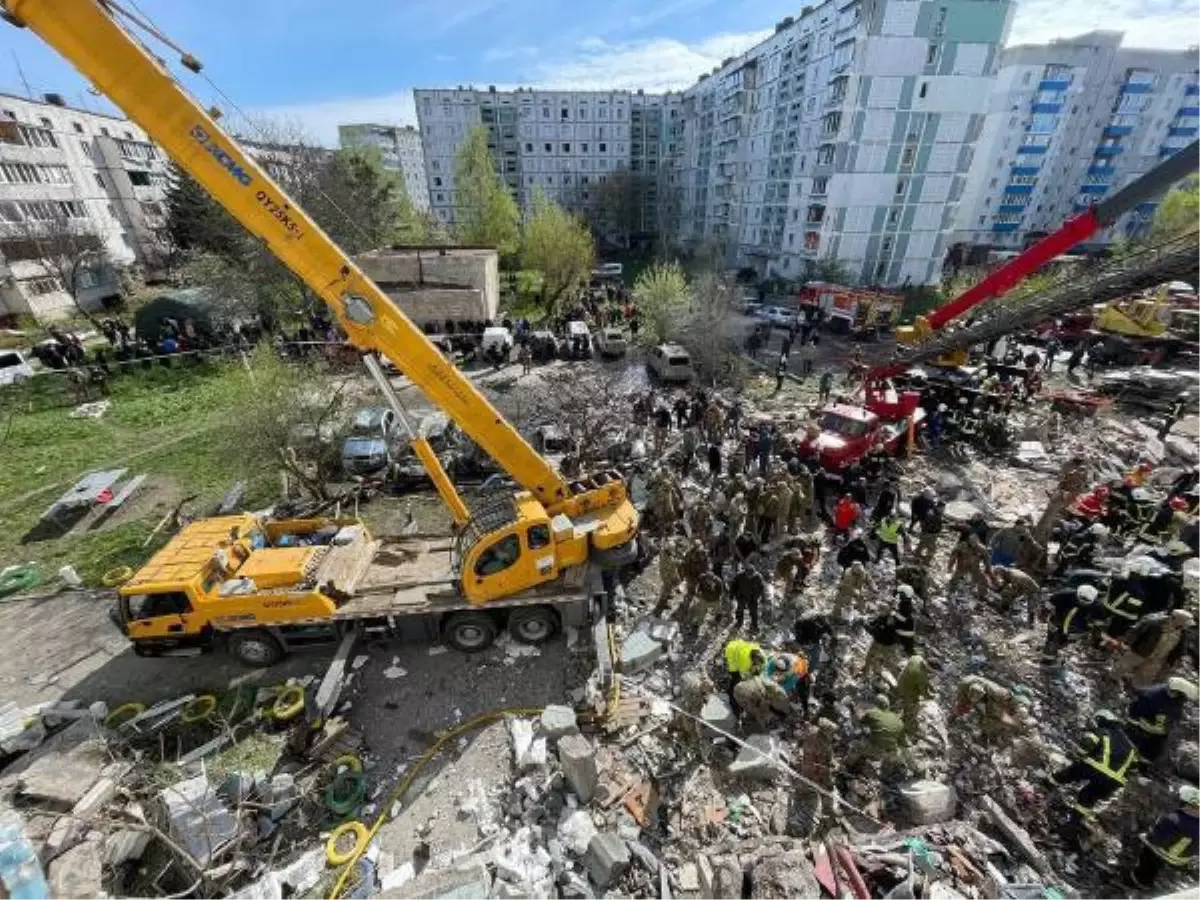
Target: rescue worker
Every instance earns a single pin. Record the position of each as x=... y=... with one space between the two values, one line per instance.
x=1155 y=643
x=922 y=505
x=1154 y=711
x=695 y=564
x=911 y=688
x=854 y=587
x=916 y=576
x=1079 y=550
x=748 y=589
x=883 y=736
x=735 y=516
x=969 y=560
x=1072 y=610
x=711 y=590
x=1124 y=603
x=1169 y=518
x=845 y=515
x=1174 y=414
x=931 y=524
x=743 y=659
x=854 y=550
x=714 y=423
x=1016 y=587
x=791 y=672
x=784 y=497
x=892 y=632
x=761 y=702
x=691 y=442
x=1106 y=755
x=667 y=500
x=886 y=502
x=768 y=512
x=889 y=533
x=1172 y=840
x=669 y=575
x=803 y=503
x=1031 y=555
x=694 y=688
x=700 y=521
x=1005 y=545
x=662 y=428
x=999 y=713
x=790 y=563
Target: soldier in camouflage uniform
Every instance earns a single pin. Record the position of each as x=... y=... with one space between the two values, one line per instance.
x=854 y=587
x=668 y=574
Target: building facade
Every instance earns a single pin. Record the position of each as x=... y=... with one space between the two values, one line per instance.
x=402 y=152
x=568 y=144
x=1068 y=123
x=75 y=186
x=845 y=136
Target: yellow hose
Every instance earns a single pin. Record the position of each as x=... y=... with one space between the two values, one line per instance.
x=411 y=775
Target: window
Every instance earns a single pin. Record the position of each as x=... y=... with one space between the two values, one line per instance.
x=992 y=183
x=529 y=148
x=39 y=287
x=603 y=148
x=924 y=89
x=9 y=212
x=46 y=122
x=437 y=182
x=901 y=186
x=104 y=131
x=548 y=148
x=566 y=148
x=583 y=148
x=37 y=137
x=139 y=178
x=907 y=156
x=564 y=114
x=439 y=198
x=151 y=606
x=931 y=55
x=820 y=186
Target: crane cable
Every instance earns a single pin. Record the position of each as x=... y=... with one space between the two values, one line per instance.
x=193 y=64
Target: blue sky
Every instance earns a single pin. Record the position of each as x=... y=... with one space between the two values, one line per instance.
x=314 y=64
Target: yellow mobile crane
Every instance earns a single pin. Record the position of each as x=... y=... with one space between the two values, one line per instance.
x=233 y=574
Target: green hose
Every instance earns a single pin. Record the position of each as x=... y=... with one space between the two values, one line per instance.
x=19 y=578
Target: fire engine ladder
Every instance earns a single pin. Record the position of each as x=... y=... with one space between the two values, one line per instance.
x=1174 y=259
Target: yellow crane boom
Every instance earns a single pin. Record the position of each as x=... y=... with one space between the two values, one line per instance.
x=88 y=34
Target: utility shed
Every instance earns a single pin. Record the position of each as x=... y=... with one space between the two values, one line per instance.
x=436 y=284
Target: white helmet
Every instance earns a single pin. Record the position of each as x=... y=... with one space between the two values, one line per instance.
x=1179 y=685
x=905 y=590
x=1099 y=529
x=1086 y=593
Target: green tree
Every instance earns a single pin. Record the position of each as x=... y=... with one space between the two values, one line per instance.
x=559 y=246
x=484 y=212
x=196 y=222
x=662 y=296
x=1178 y=213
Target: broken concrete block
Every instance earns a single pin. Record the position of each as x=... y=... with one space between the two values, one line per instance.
x=757 y=761
x=958 y=512
x=926 y=802
x=578 y=760
x=704 y=870
x=784 y=876
x=197 y=818
x=645 y=856
x=689 y=878
x=638 y=652
x=1017 y=836
x=77 y=873
x=607 y=858
x=284 y=796
x=466 y=878
x=718 y=713
x=124 y=846
x=558 y=721
x=1187 y=761
x=576 y=831
x=64 y=768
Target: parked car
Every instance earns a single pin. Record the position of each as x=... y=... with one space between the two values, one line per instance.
x=579 y=340
x=544 y=346
x=779 y=316
x=612 y=342
x=371 y=444
x=496 y=339
x=670 y=362
x=13 y=368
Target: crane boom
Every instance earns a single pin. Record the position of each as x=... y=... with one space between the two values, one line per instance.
x=86 y=33
x=1076 y=229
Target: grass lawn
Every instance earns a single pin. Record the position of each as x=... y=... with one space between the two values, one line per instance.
x=179 y=426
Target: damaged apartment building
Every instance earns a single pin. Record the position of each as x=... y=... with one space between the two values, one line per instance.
x=76 y=184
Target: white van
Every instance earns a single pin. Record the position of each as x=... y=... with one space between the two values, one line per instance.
x=496 y=338
x=579 y=340
x=670 y=362
x=612 y=342
x=13 y=368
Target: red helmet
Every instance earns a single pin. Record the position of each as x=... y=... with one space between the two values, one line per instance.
x=1145 y=466
x=1101 y=492
x=1178 y=503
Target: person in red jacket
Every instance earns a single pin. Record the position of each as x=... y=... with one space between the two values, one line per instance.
x=845 y=514
x=1093 y=505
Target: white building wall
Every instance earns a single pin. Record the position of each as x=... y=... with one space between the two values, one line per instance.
x=402 y=152
x=102 y=173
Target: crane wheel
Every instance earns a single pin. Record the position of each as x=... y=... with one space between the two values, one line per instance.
x=253 y=647
x=469 y=631
x=336 y=851
x=533 y=625
x=117 y=576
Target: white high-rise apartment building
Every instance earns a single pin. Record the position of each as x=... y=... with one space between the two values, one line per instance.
x=846 y=135
x=402 y=152
x=566 y=143
x=66 y=168
x=1068 y=123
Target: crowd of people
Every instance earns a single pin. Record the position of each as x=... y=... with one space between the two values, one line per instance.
x=746 y=527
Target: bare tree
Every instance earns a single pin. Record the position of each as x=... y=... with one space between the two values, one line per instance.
x=706 y=332
x=64 y=245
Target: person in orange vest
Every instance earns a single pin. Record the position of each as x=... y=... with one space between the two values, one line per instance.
x=1137 y=476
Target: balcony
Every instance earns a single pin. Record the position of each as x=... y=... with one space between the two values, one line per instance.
x=1113 y=131
x=1108 y=152
x=1093 y=188
x=1001 y=227
x=1188 y=112
x=1024 y=170
x=1181 y=132
x=1031 y=149
x=1101 y=170
x=1047 y=107
x=1054 y=84
x=1137 y=87
x=1011 y=208
x=1018 y=189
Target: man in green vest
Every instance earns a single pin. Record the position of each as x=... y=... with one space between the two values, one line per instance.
x=743 y=659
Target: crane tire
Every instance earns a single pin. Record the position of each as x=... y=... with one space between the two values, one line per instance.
x=333 y=852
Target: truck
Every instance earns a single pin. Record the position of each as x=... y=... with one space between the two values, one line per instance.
x=848 y=433
x=857 y=311
x=521 y=548
x=260 y=588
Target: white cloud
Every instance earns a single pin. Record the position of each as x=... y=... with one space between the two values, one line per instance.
x=1164 y=24
x=320 y=120
x=655 y=64
x=500 y=54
